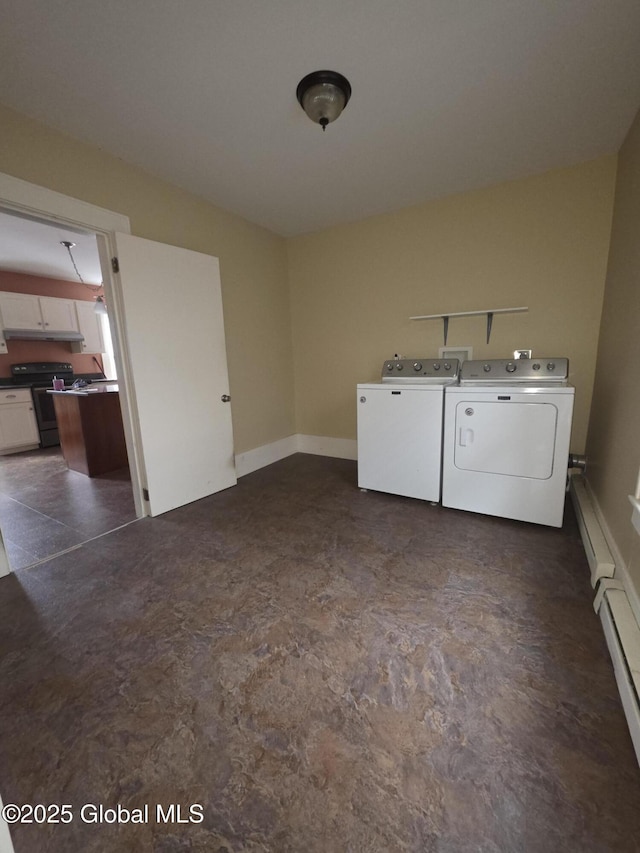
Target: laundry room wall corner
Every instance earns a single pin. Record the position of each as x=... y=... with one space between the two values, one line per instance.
x=540 y=242
x=613 y=446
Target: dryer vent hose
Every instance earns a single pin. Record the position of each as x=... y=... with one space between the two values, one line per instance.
x=578 y=460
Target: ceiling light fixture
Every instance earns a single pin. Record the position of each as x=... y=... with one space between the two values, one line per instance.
x=99 y=305
x=323 y=95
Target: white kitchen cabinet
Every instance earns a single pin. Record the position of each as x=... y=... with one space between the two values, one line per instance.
x=20 y=311
x=41 y=313
x=58 y=315
x=90 y=328
x=18 y=426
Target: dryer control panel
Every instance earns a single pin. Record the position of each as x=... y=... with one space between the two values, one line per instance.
x=530 y=371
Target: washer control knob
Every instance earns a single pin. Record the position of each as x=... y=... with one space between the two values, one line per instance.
x=389 y=365
x=536 y=366
x=551 y=366
x=487 y=368
x=511 y=368
x=399 y=366
x=436 y=365
x=417 y=365
x=447 y=366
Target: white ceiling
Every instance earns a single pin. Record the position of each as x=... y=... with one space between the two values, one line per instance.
x=36 y=248
x=448 y=95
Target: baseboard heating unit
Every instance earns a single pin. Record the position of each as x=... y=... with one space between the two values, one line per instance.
x=599 y=556
x=623 y=639
x=611 y=603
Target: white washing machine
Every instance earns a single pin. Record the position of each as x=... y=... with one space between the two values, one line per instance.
x=506 y=439
x=400 y=423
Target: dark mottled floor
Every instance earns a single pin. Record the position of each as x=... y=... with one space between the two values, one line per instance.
x=322 y=670
x=46 y=508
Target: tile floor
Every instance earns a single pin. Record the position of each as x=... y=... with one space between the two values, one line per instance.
x=45 y=508
x=319 y=669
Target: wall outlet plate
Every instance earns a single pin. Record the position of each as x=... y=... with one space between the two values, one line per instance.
x=522 y=353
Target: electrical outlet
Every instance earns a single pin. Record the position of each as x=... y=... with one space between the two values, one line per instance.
x=522 y=353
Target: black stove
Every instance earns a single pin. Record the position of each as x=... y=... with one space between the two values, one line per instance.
x=40 y=374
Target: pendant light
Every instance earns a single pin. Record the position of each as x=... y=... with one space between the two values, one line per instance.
x=323 y=95
x=69 y=246
x=99 y=305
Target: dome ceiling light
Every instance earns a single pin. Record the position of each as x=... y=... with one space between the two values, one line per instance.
x=323 y=95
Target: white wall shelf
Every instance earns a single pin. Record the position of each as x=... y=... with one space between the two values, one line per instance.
x=487 y=312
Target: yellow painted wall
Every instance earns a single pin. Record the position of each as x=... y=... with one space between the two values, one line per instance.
x=252 y=261
x=613 y=445
x=541 y=242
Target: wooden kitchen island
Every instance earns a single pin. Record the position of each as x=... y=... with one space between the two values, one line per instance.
x=90 y=427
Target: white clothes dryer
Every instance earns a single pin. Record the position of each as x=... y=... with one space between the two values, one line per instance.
x=400 y=423
x=507 y=430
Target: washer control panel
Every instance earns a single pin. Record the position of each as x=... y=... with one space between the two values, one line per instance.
x=421 y=370
x=533 y=371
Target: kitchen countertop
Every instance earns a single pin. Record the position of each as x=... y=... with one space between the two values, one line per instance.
x=89 y=390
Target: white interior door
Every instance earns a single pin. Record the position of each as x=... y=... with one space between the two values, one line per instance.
x=174 y=331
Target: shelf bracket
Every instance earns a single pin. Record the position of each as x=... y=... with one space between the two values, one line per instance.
x=487 y=312
x=489 y=324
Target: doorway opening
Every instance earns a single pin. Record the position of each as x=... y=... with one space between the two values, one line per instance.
x=184 y=451
x=45 y=506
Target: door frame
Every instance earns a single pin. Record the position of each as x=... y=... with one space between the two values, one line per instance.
x=42 y=203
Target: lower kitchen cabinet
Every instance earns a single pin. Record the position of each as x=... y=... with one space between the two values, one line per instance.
x=18 y=427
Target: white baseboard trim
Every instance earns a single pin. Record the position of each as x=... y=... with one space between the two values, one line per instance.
x=319 y=445
x=338 y=448
x=260 y=457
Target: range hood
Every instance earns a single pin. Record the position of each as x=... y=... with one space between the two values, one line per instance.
x=38 y=335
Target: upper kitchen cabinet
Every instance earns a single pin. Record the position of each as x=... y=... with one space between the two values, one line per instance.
x=90 y=328
x=58 y=314
x=46 y=313
x=20 y=311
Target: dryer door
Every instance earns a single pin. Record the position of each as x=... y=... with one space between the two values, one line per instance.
x=506 y=437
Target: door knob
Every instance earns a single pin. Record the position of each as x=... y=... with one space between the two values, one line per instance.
x=225 y=398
